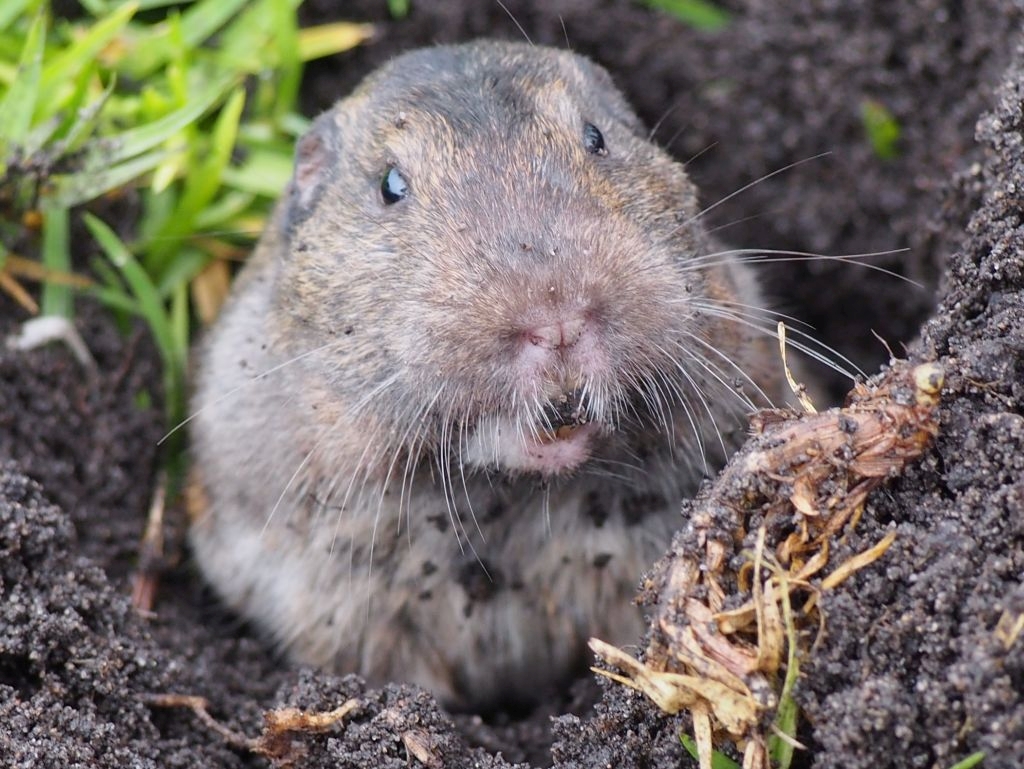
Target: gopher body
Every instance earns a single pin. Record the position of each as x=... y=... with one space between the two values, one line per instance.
x=480 y=354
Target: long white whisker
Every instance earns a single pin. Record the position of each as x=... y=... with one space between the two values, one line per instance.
x=462 y=476
x=287 y=486
x=745 y=187
x=444 y=471
x=804 y=347
x=745 y=399
x=514 y=21
x=418 y=423
x=755 y=312
x=246 y=383
x=756 y=256
x=691 y=415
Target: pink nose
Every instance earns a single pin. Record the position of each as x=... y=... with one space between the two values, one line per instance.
x=557 y=336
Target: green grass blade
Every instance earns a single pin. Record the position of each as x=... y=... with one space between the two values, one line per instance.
x=40 y=136
x=149 y=5
x=150 y=307
x=881 y=128
x=263 y=173
x=153 y=47
x=115 y=299
x=80 y=187
x=207 y=177
x=102 y=7
x=179 y=332
x=286 y=38
x=12 y=9
x=157 y=207
x=295 y=125
x=786 y=715
x=228 y=206
x=698 y=14
x=201 y=185
x=111 y=278
x=188 y=262
x=149 y=304
x=207 y=16
x=179 y=320
x=20 y=101
x=718 y=760
x=86 y=119
x=398 y=9
x=135 y=141
x=56 y=255
x=971 y=761
x=95 y=7
x=75 y=116
x=79 y=55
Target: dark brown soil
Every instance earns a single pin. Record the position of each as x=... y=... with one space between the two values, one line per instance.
x=911 y=673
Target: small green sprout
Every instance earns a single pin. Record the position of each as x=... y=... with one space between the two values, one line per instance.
x=881 y=128
x=699 y=14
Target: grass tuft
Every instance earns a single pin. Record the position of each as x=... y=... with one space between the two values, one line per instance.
x=167 y=129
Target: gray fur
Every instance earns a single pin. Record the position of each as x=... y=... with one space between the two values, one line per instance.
x=366 y=350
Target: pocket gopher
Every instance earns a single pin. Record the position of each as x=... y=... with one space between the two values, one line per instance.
x=481 y=352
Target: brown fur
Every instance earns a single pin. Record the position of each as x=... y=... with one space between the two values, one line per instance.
x=369 y=348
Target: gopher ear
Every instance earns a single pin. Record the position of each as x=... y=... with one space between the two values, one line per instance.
x=316 y=155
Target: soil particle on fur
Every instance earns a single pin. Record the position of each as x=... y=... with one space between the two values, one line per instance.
x=911 y=671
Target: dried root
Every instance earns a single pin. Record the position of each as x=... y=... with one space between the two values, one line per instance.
x=725 y=639
x=280 y=741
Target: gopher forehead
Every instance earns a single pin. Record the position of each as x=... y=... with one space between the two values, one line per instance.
x=491 y=102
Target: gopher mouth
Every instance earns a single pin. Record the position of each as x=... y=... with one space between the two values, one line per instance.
x=561 y=441
x=563 y=417
x=563 y=433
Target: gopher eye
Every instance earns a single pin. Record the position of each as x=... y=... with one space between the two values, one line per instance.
x=393 y=187
x=593 y=140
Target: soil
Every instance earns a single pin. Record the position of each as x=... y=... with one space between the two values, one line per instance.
x=911 y=672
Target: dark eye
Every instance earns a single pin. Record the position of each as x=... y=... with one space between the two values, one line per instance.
x=593 y=140
x=393 y=187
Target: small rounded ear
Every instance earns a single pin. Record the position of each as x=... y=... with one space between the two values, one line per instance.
x=316 y=155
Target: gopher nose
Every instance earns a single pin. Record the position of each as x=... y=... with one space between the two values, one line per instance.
x=557 y=336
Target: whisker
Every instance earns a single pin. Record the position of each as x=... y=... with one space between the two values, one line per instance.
x=565 y=32
x=362 y=468
x=444 y=470
x=657 y=124
x=756 y=312
x=514 y=21
x=462 y=476
x=302 y=465
x=416 y=421
x=691 y=414
x=807 y=348
x=735 y=366
x=708 y=209
x=742 y=220
x=245 y=384
x=757 y=256
x=707 y=148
